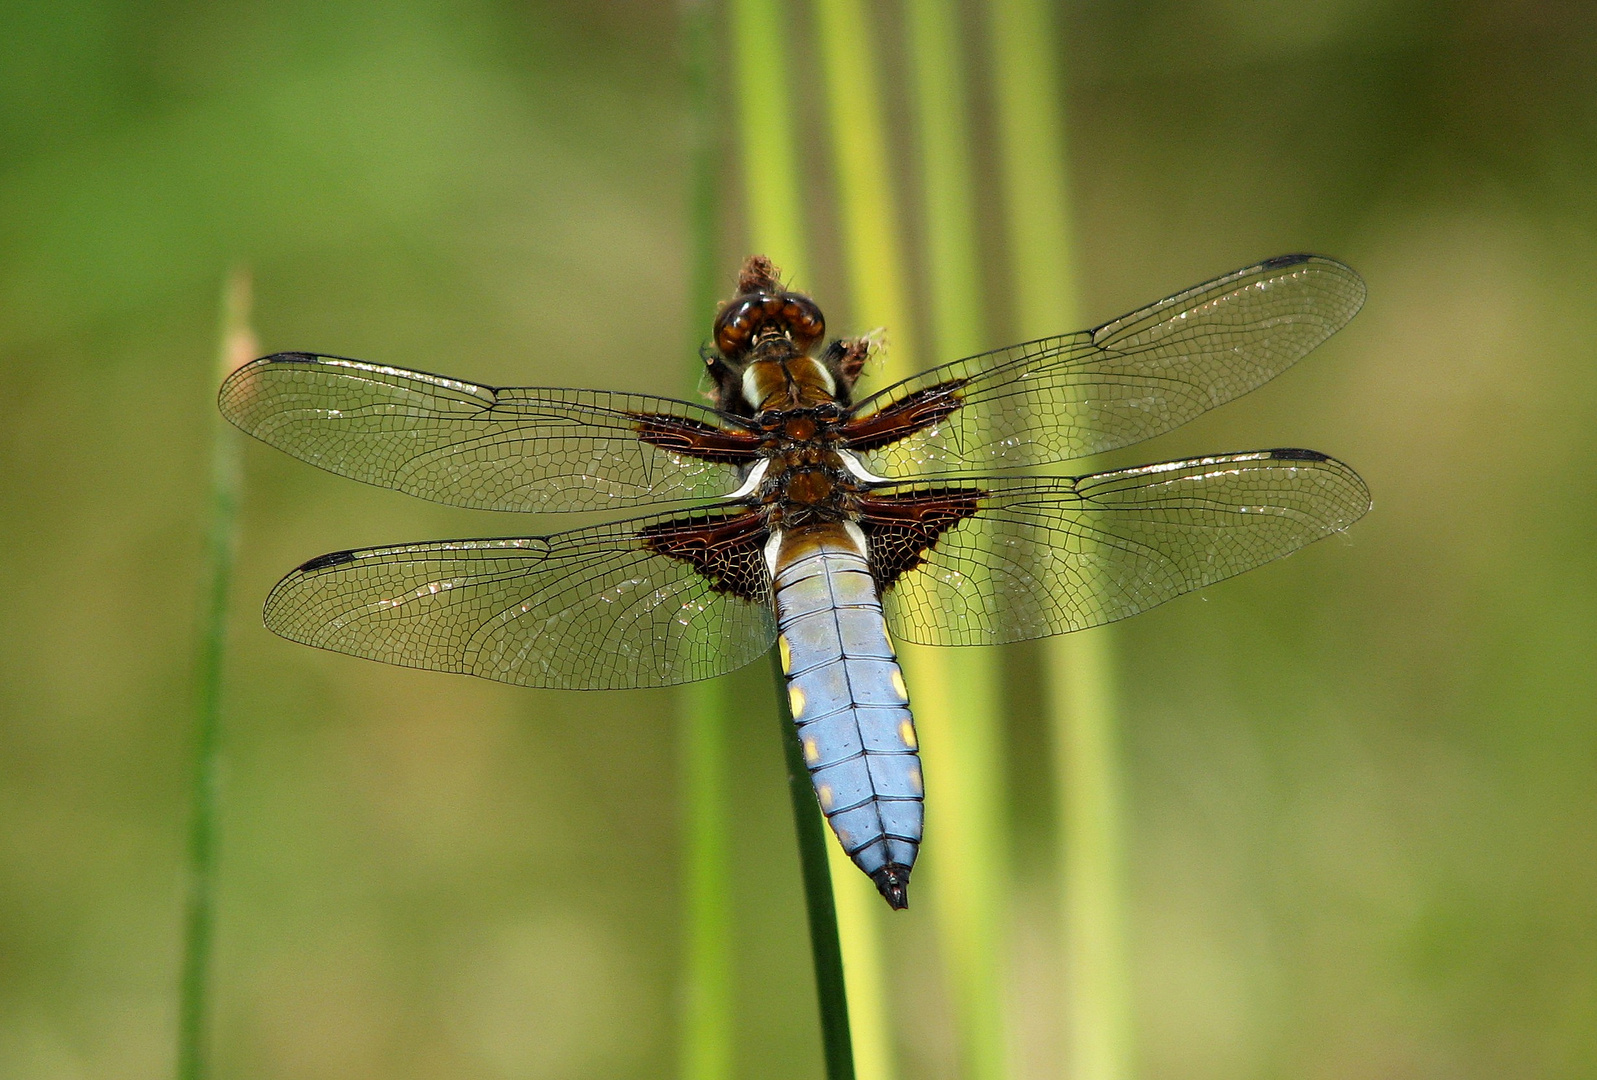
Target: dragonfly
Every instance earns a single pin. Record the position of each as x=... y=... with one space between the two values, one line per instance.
x=789 y=512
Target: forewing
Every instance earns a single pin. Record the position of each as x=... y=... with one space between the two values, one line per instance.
x=1026 y=557
x=516 y=448
x=1131 y=379
x=650 y=602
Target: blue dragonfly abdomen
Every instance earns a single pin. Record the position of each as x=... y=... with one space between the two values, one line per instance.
x=848 y=700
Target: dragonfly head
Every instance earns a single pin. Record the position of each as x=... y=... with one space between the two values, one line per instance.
x=766 y=326
x=764 y=311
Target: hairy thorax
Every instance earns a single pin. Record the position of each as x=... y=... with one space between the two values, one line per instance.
x=807 y=478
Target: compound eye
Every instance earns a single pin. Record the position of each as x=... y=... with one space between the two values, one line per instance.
x=805 y=324
x=734 y=328
x=748 y=317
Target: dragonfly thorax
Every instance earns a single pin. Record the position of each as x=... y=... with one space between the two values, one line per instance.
x=786 y=382
x=812 y=486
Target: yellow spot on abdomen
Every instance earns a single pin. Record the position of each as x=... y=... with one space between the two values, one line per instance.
x=898 y=684
x=812 y=753
x=795 y=701
x=906 y=732
x=785 y=651
x=916 y=782
x=824 y=793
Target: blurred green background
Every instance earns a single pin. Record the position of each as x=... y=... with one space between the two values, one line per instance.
x=1359 y=782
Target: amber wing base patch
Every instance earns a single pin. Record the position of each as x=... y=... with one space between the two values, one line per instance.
x=919 y=410
x=728 y=549
x=682 y=435
x=902 y=528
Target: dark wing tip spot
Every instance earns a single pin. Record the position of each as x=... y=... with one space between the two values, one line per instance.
x=1280 y=261
x=290 y=357
x=322 y=562
x=1288 y=453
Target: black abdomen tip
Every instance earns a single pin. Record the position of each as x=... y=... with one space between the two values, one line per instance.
x=893 y=882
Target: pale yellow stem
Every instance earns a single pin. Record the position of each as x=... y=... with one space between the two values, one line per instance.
x=873 y=258
x=957 y=691
x=1097 y=1017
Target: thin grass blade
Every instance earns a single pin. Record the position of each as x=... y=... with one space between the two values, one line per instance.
x=708 y=1042
x=237 y=346
x=968 y=865
x=1029 y=102
x=873 y=257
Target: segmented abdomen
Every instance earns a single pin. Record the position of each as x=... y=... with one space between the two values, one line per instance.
x=848 y=700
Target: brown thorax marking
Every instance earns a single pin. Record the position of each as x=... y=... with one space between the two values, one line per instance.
x=808 y=482
x=779 y=380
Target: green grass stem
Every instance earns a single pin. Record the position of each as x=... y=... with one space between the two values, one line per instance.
x=1029 y=102
x=236 y=346
x=962 y=745
x=867 y=208
x=705 y=278
x=1097 y=978
x=841 y=939
x=817 y=851
x=763 y=100
x=858 y=906
x=708 y=1027
x=708 y=1040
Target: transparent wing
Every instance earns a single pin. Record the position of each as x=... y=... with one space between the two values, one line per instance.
x=1131 y=379
x=1046 y=556
x=519 y=448
x=590 y=609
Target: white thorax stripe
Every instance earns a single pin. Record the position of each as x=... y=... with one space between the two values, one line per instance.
x=857 y=467
x=856 y=534
x=826 y=376
x=755 y=478
x=773 y=548
x=751 y=387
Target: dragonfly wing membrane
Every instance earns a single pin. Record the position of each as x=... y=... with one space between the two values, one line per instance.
x=1014 y=558
x=488 y=448
x=629 y=604
x=1130 y=379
